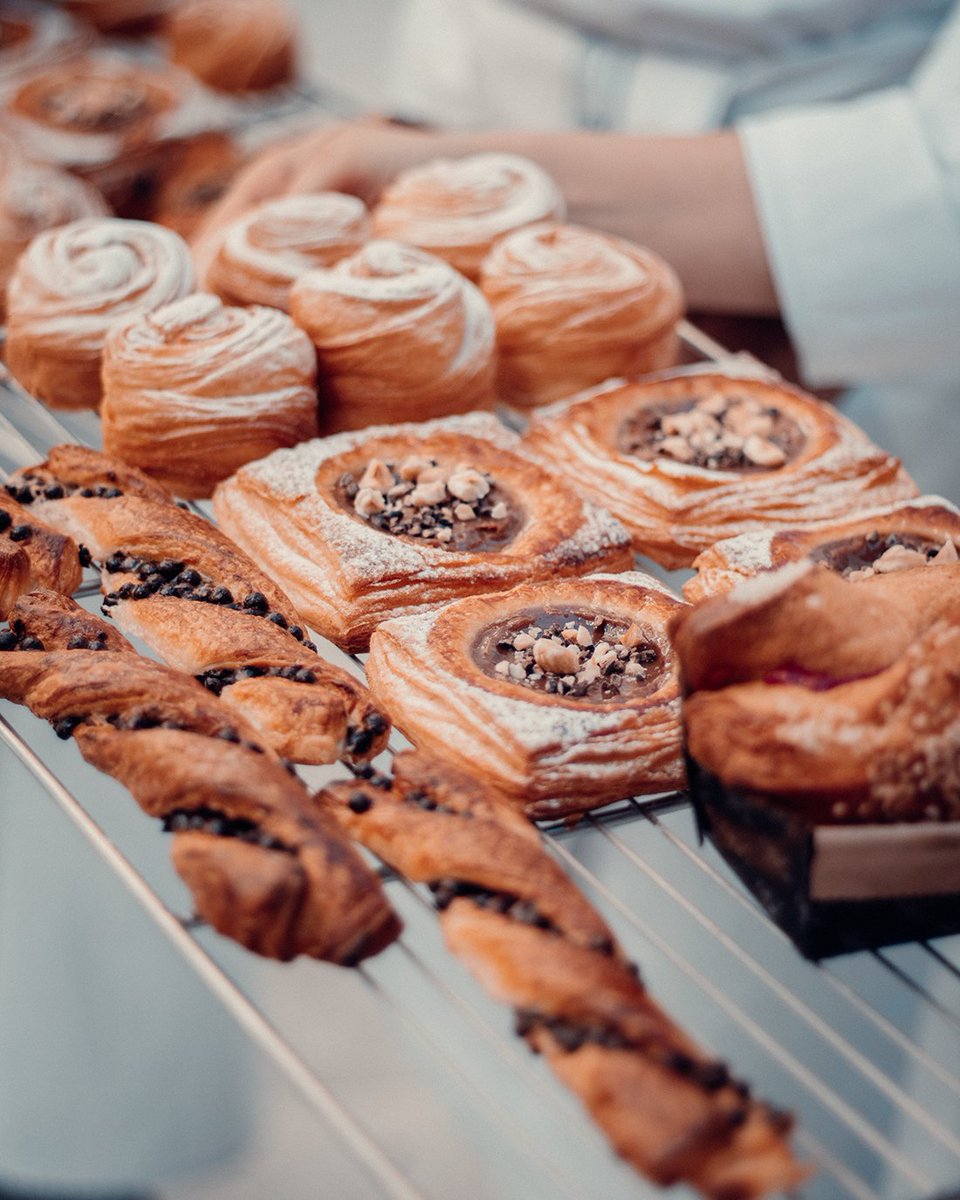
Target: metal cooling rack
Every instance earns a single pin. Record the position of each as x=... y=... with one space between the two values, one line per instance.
x=438 y=1098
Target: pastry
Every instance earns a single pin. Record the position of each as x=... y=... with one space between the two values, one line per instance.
x=689 y=458
x=35 y=35
x=400 y=518
x=574 y=307
x=457 y=207
x=399 y=336
x=68 y=288
x=562 y=694
x=511 y=915
x=121 y=16
x=256 y=259
x=32 y=555
x=242 y=46
x=112 y=120
x=264 y=865
x=202 y=171
x=821 y=725
x=194 y=390
x=176 y=582
x=908 y=534
x=33 y=198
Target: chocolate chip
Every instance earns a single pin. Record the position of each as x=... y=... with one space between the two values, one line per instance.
x=375 y=722
x=142 y=591
x=110 y=493
x=5 y=520
x=278 y=619
x=305 y=675
x=256 y=602
x=190 y=577
x=358 y=741
x=8 y=640
x=20 y=533
x=359 y=802
x=221 y=595
x=77 y=643
x=87 y=493
x=297 y=632
x=31 y=643
x=711 y=1076
x=229 y=734
x=65 y=726
x=53 y=491
x=84 y=555
x=169 y=568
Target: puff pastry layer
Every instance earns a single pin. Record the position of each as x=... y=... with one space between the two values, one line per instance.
x=686 y=459
x=456 y=208
x=194 y=390
x=32 y=555
x=574 y=307
x=299 y=512
x=264 y=865
x=399 y=335
x=562 y=694
x=529 y=936
x=880 y=541
x=68 y=288
x=185 y=589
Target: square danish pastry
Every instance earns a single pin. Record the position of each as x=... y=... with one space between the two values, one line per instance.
x=562 y=694
x=366 y=525
x=691 y=457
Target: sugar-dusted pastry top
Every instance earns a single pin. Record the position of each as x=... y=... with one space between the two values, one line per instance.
x=560 y=693
x=399 y=335
x=925 y=530
x=257 y=258
x=691 y=457
x=195 y=389
x=457 y=207
x=839 y=698
x=241 y=46
x=574 y=307
x=321 y=519
x=515 y=920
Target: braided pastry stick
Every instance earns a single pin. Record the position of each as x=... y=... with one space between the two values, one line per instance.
x=32 y=555
x=175 y=581
x=266 y=868
x=512 y=915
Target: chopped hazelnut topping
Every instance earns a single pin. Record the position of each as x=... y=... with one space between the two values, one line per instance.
x=763 y=452
x=432 y=474
x=899 y=558
x=368 y=501
x=467 y=484
x=432 y=492
x=377 y=476
x=499 y=511
x=411 y=467
x=947 y=553
x=552 y=656
x=678 y=448
x=463 y=512
x=523 y=641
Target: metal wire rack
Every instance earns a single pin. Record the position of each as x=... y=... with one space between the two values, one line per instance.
x=865 y=1049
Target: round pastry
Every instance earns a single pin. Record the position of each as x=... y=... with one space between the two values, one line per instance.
x=203 y=170
x=574 y=307
x=127 y=16
x=236 y=47
x=257 y=258
x=562 y=694
x=34 y=36
x=457 y=207
x=400 y=335
x=400 y=518
x=70 y=285
x=33 y=198
x=194 y=390
x=108 y=120
x=925 y=531
x=689 y=458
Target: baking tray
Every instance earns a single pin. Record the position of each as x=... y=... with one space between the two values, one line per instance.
x=405 y=1080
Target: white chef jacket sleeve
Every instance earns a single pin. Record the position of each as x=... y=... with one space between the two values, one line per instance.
x=860 y=207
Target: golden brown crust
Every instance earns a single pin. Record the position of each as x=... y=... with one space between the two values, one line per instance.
x=574 y=307
x=194 y=390
x=246 y=45
x=676 y=509
x=33 y=555
x=189 y=760
x=347 y=575
x=246 y=639
x=532 y=940
x=549 y=752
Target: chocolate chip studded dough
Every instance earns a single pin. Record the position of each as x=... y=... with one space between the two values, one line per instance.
x=363 y=526
x=512 y=916
x=174 y=580
x=32 y=555
x=266 y=868
x=689 y=458
x=562 y=694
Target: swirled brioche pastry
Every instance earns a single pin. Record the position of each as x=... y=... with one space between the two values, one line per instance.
x=399 y=335
x=686 y=459
x=515 y=920
x=32 y=555
x=33 y=36
x=265 y=866
x=561 y=694
x=236 y=47
x=574 y=307
x=34 y=198
x=364 y=526
x=457 y=207
x=257 y=258
x=176 y=582
x=924 y=531
x=202 y=172
x=194 y=390
x=68 y=288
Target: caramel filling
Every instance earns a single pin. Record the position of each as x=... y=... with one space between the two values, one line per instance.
x=95 y=105
x=876 y=553
x=593 y=657
x=456 y=507
x=719 y=431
